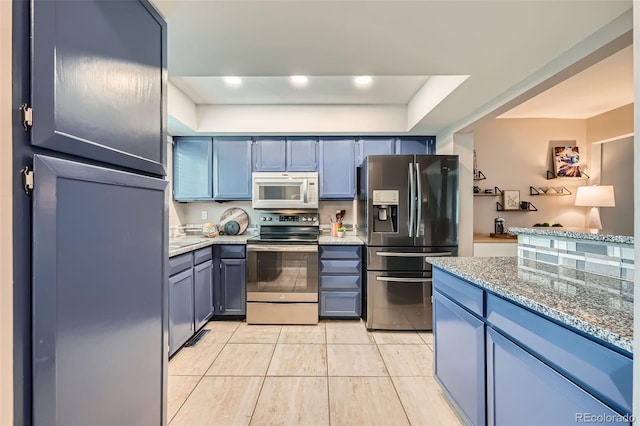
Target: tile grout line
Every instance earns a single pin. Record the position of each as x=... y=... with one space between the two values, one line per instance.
x=264 y=378
x=326 y=354
x=404 y=410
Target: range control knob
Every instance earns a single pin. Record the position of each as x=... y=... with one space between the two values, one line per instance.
x=269 y=219
x=304 y=219
x=263 y=218
x=315 y=219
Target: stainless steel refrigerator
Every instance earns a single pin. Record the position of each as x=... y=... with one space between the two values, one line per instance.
x=408 y=209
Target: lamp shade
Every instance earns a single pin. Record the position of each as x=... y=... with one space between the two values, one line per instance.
x=595 y=196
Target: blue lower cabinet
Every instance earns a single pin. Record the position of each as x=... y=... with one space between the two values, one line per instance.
x=230 y=281
x=340 y=281
x=180 y=309
x=523 y=390
x=459 y=348
x=203 y=293
x=340 y=304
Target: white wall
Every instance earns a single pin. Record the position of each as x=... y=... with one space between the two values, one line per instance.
x=515 y=154
x=463 y=148
x=6 y=221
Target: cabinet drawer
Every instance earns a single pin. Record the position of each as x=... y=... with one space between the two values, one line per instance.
x=340 y=282
x=463 y=293
x=180 y=263
x=231 y=251
x=340 y=303
x=201 y=255
x=339 y=252
x=600 y=370
x=340 y=267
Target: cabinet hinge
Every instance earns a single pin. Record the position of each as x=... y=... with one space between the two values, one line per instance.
x=27 y=116
x=27 y=179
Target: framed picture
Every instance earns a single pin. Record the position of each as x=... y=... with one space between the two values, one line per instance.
x=566 y=161
x=511 y=199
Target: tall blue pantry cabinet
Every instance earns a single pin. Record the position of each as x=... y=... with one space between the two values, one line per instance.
x=97 y=151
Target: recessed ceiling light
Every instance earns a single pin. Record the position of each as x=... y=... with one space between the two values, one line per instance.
x=233 y=81
x=299 y=80
x=363 y=80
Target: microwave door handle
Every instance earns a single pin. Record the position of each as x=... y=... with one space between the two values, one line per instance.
x=412 y=195
x=304 y=192
x=419 y=200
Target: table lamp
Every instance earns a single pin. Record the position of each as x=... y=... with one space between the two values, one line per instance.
x=595 y=196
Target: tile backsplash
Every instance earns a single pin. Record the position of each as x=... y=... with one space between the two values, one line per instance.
x=603 y=258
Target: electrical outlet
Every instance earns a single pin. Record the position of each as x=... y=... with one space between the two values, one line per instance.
x=203 y=214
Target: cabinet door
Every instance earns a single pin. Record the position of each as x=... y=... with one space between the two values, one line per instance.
x=337 y=168
x=269 y=154
x=419 y=145
x=99 y=82
x=180 y=309
x=302 y=154
x=231 y=168
x=523 y=390
x=192 y=169
x=459 y=357
x=233 y=286
x=202 y=293
x=342 y=304
x=375 y=146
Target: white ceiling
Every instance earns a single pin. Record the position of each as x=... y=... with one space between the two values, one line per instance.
x=499 y=44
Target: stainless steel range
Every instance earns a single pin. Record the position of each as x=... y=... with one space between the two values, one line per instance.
x=282 y=269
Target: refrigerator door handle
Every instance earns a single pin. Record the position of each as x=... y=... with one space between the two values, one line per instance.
x=404 y=254
x=419 y=203
x=403 y=279
x=412 y=197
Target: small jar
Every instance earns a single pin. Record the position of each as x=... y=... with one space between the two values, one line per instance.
x=498 y=225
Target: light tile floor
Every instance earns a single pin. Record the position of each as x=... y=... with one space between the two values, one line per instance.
x=334 y=373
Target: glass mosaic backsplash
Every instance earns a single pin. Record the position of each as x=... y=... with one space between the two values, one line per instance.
x=602 y=258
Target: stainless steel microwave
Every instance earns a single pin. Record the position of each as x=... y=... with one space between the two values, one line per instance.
x=285 y=190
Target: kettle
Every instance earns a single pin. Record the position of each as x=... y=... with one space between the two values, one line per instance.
x=498 y=225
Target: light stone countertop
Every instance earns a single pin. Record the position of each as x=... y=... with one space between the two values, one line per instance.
x=346 y=240
x=190 y=243
x=580 y=235
x=599 y=306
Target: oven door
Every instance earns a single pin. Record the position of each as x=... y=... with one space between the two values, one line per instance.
x=282 y=273
x=278 y=193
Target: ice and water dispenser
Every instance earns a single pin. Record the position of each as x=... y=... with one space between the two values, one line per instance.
x=385 y=210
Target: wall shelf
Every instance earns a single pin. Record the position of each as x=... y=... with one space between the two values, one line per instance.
x=479 y=176
x=551 y=175
x=553 y=191
x=496 y=191
x=531 y=208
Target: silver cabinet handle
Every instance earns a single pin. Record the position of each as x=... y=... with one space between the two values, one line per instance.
x=397 y=254
x=412 y=196
x=403 y=280
x=307 y=248
x=419 y=201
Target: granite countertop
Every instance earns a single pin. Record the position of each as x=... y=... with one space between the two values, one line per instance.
x=186 y=244
x=596 y=305
x=346 y=240
x=580 y=235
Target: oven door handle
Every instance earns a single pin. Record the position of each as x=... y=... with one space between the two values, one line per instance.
x=403 y=279
x=305 y=248
x=398 y=254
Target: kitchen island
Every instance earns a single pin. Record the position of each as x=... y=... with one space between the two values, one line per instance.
x=521 y=341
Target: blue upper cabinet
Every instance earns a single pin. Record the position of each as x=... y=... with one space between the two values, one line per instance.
x=231 y=168
x=192 y=169
x=374 y=146
x=419 y=145
x=302 y=154
x=337 y=169
x=94 y=66
x=269 y=154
